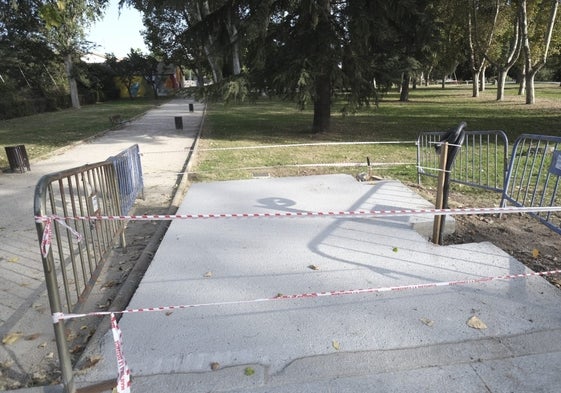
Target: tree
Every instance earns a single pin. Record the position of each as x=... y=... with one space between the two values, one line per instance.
x=145 y=66
x=481 y=21
x=65 y=21
x=25 y=54
x=544 y=16
x=505 y=44
x=124 y=70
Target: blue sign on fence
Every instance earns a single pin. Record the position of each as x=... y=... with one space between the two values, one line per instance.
x=555 y=167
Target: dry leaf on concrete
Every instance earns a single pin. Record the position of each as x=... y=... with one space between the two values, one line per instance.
x=427 y=321
x=335 y=344
x=11 y=338
x=476 y=323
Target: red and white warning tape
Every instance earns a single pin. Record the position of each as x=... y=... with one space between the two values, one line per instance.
x=370 y=213
x=124 y=374
x=48 y=220
x=61 y=316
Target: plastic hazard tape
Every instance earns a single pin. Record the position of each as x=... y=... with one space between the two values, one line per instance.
x=48 y=220
x=57 y=317
x=370 y=213
x=46 y=239
x=124 y=376
x=124 y=373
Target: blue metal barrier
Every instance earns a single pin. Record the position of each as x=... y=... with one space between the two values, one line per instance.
x=129 y=176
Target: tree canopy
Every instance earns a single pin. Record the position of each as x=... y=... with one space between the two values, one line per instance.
x=305 y=50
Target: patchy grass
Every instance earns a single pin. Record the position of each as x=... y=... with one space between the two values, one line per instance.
x=263 y=123
x=42 y=134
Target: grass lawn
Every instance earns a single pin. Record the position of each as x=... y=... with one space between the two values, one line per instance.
x=42 y=134
x=273 y=122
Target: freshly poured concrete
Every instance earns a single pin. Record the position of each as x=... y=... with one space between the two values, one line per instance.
x=399 y=341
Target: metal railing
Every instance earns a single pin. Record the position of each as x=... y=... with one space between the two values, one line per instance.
x=72 y=266
x=129 y=176
x=482 y=161
x=533 y=178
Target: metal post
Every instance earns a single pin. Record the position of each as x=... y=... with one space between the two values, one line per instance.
x=439 y=220
x=56 y=307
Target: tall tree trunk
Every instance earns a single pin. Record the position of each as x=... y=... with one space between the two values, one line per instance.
x=501 y=80
x=483 y=82
x=404 y=95
x=68 y=66
x=475 y=83
x=322 y=104
x=531 y=68
x=522 y=82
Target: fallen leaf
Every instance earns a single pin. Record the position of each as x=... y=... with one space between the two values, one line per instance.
x=476 y=323
x=394 y=249
x=207 y=275
x=535 y=253
x=13 y=259
x=91 y=361
x=11 y=338
x=214 y=366
x=109 y=284
x=169 y=313
x=42 y=345
x=32 y=337
x=76 y=349
x=427 y=322
x=249 y=371
x=50 y=355
x=335 y=344
x=313 y=267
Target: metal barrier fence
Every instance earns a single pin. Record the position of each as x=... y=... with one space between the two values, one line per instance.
x=72 y=267
x=129 y=175
x=482 y=161
x=533 y=178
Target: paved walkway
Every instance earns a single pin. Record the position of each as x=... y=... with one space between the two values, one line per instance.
x=242 y=338
x=415 y=340
x=24 y=308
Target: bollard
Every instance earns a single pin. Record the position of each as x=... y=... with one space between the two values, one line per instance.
x=17 y=158
x=178 y=123
x=191 y=108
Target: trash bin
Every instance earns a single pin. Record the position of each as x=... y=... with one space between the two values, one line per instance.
x=191 y=108
x=178 y=122
x=17 y=158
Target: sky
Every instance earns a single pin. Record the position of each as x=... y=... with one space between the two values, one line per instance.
x=118 y=32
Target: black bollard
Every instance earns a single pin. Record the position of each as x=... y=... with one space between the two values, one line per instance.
x=178 y=122
x=191 y=108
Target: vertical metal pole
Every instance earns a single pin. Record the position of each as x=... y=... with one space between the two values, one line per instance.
x=439 y=220
x=53 y=294
x=56 y=307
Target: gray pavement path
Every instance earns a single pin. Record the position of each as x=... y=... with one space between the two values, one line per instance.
x=24 y=309
x=415 y=340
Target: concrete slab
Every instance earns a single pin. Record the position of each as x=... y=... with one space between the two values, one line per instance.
x=416 y=340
